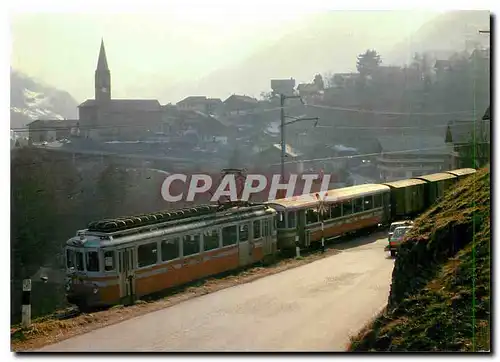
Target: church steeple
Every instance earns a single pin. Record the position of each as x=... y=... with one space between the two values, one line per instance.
x=102 y=77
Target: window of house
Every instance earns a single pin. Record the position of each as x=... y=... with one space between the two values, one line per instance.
x=191 y=244
x=92 y=261
x=229 y=235
x=336 y=211
x=256 y=229
x=311 y=216
x=347 y=208
x=147 y=254
x=170 y=249
x=358 y=204
x=368 y=202
x=210 y=240
x=109 y=260
x=79 y=261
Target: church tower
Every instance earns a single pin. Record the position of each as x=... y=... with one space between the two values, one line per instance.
x=102 y=77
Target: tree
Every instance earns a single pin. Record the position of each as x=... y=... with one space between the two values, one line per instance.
x=318 y=81
x=112 y=189
x=368 y=62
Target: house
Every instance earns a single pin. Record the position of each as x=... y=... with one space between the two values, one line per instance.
x=195 y=126
x=200 y=103
x=345 y=80
x=270 y=158
x=52 y=129
x=408 y=156
x=283 y=86
x=240 y=105
x=470 y=140
x=310 y=91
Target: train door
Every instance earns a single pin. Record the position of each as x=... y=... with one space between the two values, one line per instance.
x=244 y=247
x=301 y=227
x=126 y=262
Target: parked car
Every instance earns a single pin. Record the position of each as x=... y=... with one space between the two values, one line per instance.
x=396 y=238
x=396 y=224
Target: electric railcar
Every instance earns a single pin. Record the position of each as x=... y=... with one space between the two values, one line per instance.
x=117 y=260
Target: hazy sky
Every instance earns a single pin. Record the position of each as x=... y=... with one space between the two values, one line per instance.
x=148 y=53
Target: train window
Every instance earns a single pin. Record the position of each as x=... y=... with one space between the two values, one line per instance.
x=70 y=254
x=275 y=222
x=109 y=260
x=368 y=202
x=210 y=240
x=147 y=254
x=170 y=249
x=291 y=219
x=229 y=235
x=191 y=244
x=243 y=232
x=281 y=220
x=336 y=211
x=311 y=216
x=358 y=205
x=377 y=200
x=256 y=229
x=92 y=259
x=79 y=261
x=347 y=208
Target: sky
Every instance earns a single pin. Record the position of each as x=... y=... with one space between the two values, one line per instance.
x=149 y=53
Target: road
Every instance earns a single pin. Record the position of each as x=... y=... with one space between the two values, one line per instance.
x=315 y=307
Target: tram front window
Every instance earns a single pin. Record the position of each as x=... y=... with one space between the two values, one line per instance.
x=70 y=258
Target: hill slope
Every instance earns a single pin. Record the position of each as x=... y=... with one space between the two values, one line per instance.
x=30 y=100
x=440 y=294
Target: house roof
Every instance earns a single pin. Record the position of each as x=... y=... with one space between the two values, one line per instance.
x=414 y=144
x=487 y=115
x=239 y=98
x=463 y=131
x=289 y=150
x=44 y=123
x=127 y=104
x=193 y=99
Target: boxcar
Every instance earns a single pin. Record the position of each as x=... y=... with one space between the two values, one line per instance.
x=305 y=220
x=437 y=185
x=407 y=198
x=462 y=172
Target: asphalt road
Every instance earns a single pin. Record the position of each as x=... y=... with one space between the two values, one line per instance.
x=315 y=307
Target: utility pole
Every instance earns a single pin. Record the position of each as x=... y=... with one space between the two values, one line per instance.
x=283 y=97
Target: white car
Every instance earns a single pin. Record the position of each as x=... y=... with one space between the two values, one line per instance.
x=396 y=224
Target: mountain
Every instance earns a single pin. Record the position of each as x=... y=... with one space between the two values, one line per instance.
x=31 y=100
x=447 y=33
x=330 y=42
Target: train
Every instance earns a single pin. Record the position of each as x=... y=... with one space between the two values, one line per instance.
x=119 y=260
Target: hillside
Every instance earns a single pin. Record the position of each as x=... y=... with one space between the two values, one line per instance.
x=440 y=294
x=328 y=42
x=30 y=100
x=445 y=34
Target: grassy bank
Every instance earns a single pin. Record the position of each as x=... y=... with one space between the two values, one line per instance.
x=440 y=293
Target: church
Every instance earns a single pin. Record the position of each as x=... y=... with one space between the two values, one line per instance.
x=104 y=118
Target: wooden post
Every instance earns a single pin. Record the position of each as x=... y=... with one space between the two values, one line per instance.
x=26 y=311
